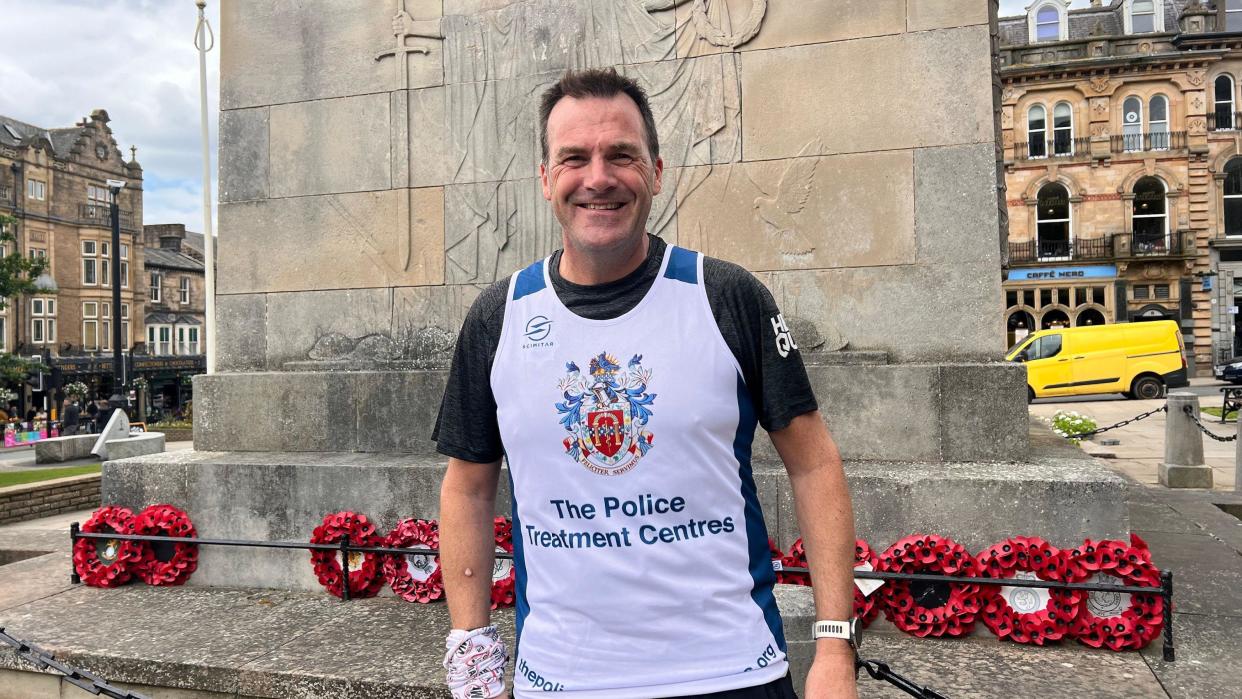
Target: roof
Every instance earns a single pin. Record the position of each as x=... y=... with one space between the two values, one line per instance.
x=25 y=133
x=170 y=259
x=1087 y=22
x=170 y=318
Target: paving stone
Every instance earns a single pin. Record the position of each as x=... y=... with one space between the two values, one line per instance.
x=1207 y=573
x=1208 y=648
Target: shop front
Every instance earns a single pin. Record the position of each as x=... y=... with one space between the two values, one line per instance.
x=1039 y=298
x=164 y=380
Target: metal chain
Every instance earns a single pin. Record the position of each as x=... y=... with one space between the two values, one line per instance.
x=1190 y=412
x=1123 y=423
x=79 y=678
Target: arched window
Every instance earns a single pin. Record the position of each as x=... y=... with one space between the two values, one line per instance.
x=1132 y=124
x=1019 y=325
x=1151 y=219
x=1233 y=15
x=1158 y=123
x=1090 y=316
x=1063 y=129
x=1053 y=221
x=1222 y=100
x=1143 y=17
x=1233 y=197
x=1047 y=24
x=1037 y=131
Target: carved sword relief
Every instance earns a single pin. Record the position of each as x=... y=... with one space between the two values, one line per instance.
x=405 y=26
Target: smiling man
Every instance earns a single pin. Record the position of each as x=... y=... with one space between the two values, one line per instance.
x=622 y=379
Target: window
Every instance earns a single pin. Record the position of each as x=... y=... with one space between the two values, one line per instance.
x=1222 y=101
x=1233 y=15
x=193 y=340
x=1162 y=291
x=1142 y=292
x=1037 y=131
x=125 y=341
x=187 y=339
x=1063 y=129
x=105 y=324
x=1053 y=221
x=155 y=287
x=105 y=264
x=185 y=290
x=1044 y=347
x=1132 y=124
x=43 y=321
x=1143 y=18
x=1047 y=24
x=1233 y=197
x=38 y=254
x=1158 y=123
x=159 y=339
x=89 y=263
x=90 y=326
x=36 y=189
x=1151 y=222
x=4 y=334
x=124 y=266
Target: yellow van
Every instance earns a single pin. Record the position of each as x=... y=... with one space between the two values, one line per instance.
x=1139 y=360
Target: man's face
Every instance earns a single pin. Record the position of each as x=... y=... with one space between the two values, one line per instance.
x=599 y=175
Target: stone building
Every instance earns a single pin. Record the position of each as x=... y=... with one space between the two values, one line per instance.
x=1119 y=128
x=175 y=320
x=55 y=182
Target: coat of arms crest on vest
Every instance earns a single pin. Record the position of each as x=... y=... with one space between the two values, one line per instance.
x=605 y=412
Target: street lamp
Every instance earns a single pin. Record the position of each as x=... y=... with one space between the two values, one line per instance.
x=117 y=399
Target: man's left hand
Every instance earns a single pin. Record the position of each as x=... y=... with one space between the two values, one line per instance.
x=832 y=676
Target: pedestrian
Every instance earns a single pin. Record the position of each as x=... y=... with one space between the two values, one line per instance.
x=73 y=413
x=622 y=378
x=92 y=414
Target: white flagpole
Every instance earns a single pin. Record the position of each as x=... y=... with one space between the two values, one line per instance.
x=204 y=41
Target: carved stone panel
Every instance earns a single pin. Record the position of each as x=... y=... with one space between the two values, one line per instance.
x=336 y=241
x=805 y=212
x=714 y=26
x=273 y=53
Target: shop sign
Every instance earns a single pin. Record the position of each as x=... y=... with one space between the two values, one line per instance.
x=1035 y=274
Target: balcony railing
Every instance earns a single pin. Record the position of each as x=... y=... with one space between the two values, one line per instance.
x=1055 y=148
x=99 y=214
x=1224 y=120
x=1115 y=245
x=1152 y=141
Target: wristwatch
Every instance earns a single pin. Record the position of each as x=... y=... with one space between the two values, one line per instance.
x=849 y=631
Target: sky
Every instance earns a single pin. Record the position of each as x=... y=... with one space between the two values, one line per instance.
x=61 y=59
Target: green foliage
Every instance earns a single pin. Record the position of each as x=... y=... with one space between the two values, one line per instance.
x=13 y=368
x=1068 y=424
x=17 y=272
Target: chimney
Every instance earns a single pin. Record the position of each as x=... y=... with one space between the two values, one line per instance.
x=169 y=235
x=1095 y=3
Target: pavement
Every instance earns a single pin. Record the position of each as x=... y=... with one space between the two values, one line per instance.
x=215 y=642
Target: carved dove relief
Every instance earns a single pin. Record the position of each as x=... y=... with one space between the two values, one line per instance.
x=778 y=212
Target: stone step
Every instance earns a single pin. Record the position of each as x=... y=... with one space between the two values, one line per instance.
x=1058 y=493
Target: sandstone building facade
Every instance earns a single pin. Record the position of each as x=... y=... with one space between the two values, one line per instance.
x=54 y=181
x=1120 y=128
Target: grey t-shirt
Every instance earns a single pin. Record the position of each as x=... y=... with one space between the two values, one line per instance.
x=743 y=308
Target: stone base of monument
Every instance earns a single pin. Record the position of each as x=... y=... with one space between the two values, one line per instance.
x=1058 y=494
x=1176 y=476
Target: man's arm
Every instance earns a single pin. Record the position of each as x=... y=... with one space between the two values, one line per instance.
x=467 y=501
x=826 y=520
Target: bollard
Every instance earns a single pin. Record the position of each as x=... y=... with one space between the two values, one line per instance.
x=1183 y=465
x=1237 y=458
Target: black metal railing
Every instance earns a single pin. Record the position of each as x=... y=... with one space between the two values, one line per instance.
x=99 y=214
x=1058 y=147
x=1114 y=245
x=1150 y=141
x=1224 y=120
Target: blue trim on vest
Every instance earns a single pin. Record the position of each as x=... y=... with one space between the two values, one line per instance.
x=529 y=280
x=683 y=265
x=519 y=567
x=756 y=533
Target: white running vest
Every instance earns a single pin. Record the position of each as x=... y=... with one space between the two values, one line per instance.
x=643 y=567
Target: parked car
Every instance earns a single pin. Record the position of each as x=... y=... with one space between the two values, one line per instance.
x=1230 y=371
x=1139 y=360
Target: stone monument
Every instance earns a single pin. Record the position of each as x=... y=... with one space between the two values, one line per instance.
x=378 y=167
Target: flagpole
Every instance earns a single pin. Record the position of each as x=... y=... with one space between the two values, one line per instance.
x=204 y=41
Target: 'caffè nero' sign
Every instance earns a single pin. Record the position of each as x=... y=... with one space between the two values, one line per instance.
x=1037 y=274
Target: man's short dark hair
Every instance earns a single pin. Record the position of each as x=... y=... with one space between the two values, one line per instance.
x=597 y=82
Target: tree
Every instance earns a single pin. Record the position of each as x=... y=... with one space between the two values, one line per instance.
x=17 y=277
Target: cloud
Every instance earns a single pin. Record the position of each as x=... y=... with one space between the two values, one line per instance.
x=60 y=59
